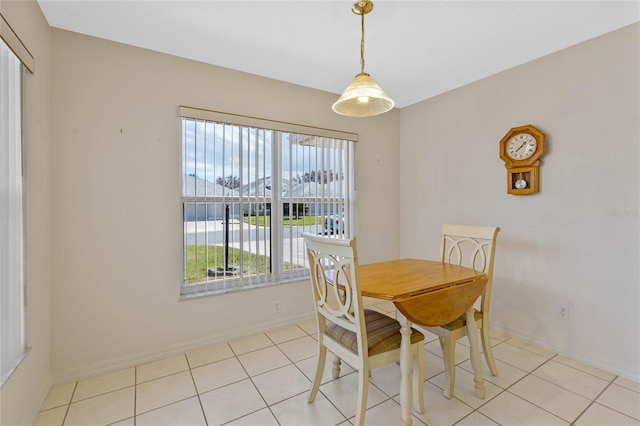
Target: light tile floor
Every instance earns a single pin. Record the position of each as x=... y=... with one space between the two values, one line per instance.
x=264 y=380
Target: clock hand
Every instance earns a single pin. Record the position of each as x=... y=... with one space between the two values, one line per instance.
x=523 y=143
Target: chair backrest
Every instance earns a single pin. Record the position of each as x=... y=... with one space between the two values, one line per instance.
x=333 y=263
x=473 y=247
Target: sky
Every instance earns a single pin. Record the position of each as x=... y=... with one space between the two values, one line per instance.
x=213 y=150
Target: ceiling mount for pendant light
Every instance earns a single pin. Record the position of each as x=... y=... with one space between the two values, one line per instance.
x=363 y=97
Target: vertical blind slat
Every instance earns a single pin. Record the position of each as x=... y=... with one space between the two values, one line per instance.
x=12 y=339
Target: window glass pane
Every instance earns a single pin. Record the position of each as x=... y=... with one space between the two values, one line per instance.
x=248 y=194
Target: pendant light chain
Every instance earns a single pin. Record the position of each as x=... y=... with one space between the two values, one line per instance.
x=362 y=43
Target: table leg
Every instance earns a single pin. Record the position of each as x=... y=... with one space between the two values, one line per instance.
x=476 y=361
x=406 y=386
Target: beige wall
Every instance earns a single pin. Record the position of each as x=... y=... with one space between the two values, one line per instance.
x=576 y=242
x=26 y=389
x=116 y=206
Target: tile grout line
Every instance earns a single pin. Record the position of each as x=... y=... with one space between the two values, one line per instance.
x=581 y=371
x=253 y=383
x=66 y=413
x=530 y=373
x=154 y=379
x=195 y=387
x=503 y=390
x=593 y=401
x=240 y=380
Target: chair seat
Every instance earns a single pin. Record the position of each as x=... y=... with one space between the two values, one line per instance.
x=461 y=321
x=383 y=334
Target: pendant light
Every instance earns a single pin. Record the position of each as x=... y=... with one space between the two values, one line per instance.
x=363 y=97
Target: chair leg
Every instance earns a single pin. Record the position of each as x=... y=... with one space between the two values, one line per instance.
x=474 y=352
x=488 y=352
x=322 y=356
x=363 y=389
x=418 y=379
x=335 y=371
x=449 y=357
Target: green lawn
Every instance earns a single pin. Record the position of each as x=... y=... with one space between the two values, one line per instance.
x=215 y=257
x=302 y=220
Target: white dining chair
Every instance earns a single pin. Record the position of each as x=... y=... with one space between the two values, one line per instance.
x=473 y=247
x=363 y=338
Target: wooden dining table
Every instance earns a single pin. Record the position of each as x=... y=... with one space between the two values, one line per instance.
x=427 y=293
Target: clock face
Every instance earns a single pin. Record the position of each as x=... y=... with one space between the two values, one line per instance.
x=521 y=146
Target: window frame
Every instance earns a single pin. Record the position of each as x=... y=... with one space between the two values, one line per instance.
x=275 y=275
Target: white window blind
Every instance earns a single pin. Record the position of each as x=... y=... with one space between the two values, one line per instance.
x=12 y=336
x=248 y=193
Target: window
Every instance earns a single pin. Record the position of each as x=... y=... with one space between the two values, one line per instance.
x=250 y=188
x=11 y=230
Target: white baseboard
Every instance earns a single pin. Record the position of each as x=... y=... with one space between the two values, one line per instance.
x=40 y=397
x=131 y=360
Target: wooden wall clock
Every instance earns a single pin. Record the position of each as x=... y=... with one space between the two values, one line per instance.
x=521 y=149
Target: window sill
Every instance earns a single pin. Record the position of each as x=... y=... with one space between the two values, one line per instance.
x=244 y=287
x=7 y=377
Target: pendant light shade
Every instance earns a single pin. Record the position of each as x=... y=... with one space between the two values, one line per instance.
x=363 y=97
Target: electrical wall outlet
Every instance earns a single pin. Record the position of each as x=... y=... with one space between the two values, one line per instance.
x=563 y=311
x=276 y=307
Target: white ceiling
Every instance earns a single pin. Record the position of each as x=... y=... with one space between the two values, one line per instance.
x=414 y=49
